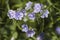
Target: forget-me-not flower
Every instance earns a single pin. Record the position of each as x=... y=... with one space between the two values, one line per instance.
x=37 y=7
x=31 y=16
x=11 y=14
x=19 y=15
x=24 y=28
x=30 y=33
x=28 y=5
x=45 y=14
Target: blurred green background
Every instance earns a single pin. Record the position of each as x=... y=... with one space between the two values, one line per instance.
x=10 y=29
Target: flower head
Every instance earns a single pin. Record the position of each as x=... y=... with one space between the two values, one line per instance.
x=31 y=16
x=11 y=14
x=37 y=7
x=28 y=5
x=30 y=33
x=45 y=14
x=19 y=15
x=58 y=30
x=24 y=28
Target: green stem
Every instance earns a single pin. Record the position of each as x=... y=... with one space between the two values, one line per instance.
x=56 y=8
x=43 y=26
x=19 y=26
x=7 y=4
x=49 y=2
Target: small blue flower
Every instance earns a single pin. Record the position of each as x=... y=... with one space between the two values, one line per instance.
x=58 y=30
x=11 y=14
x=31 y=16
x=45 y=14
x=19 y=15
x=30 y=33
x=28 y=5
x=24 y=28
x=37 y=7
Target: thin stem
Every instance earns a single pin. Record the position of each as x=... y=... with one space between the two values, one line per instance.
x=7 y=4
x=49 y=2
x=19 y=26
x=43 y=26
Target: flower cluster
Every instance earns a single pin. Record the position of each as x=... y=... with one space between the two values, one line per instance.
x=25 y=15
x=16 y=15
x=38 y=8
x=29 y=32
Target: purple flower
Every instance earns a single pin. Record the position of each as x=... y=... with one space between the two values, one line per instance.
x=45 y=14
x=30 y=33
x=19 y=15
x=11 y=14
x=31 y=16
x=24 y=28
x=28 y=5
x=37 y=7
x=58 y=30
